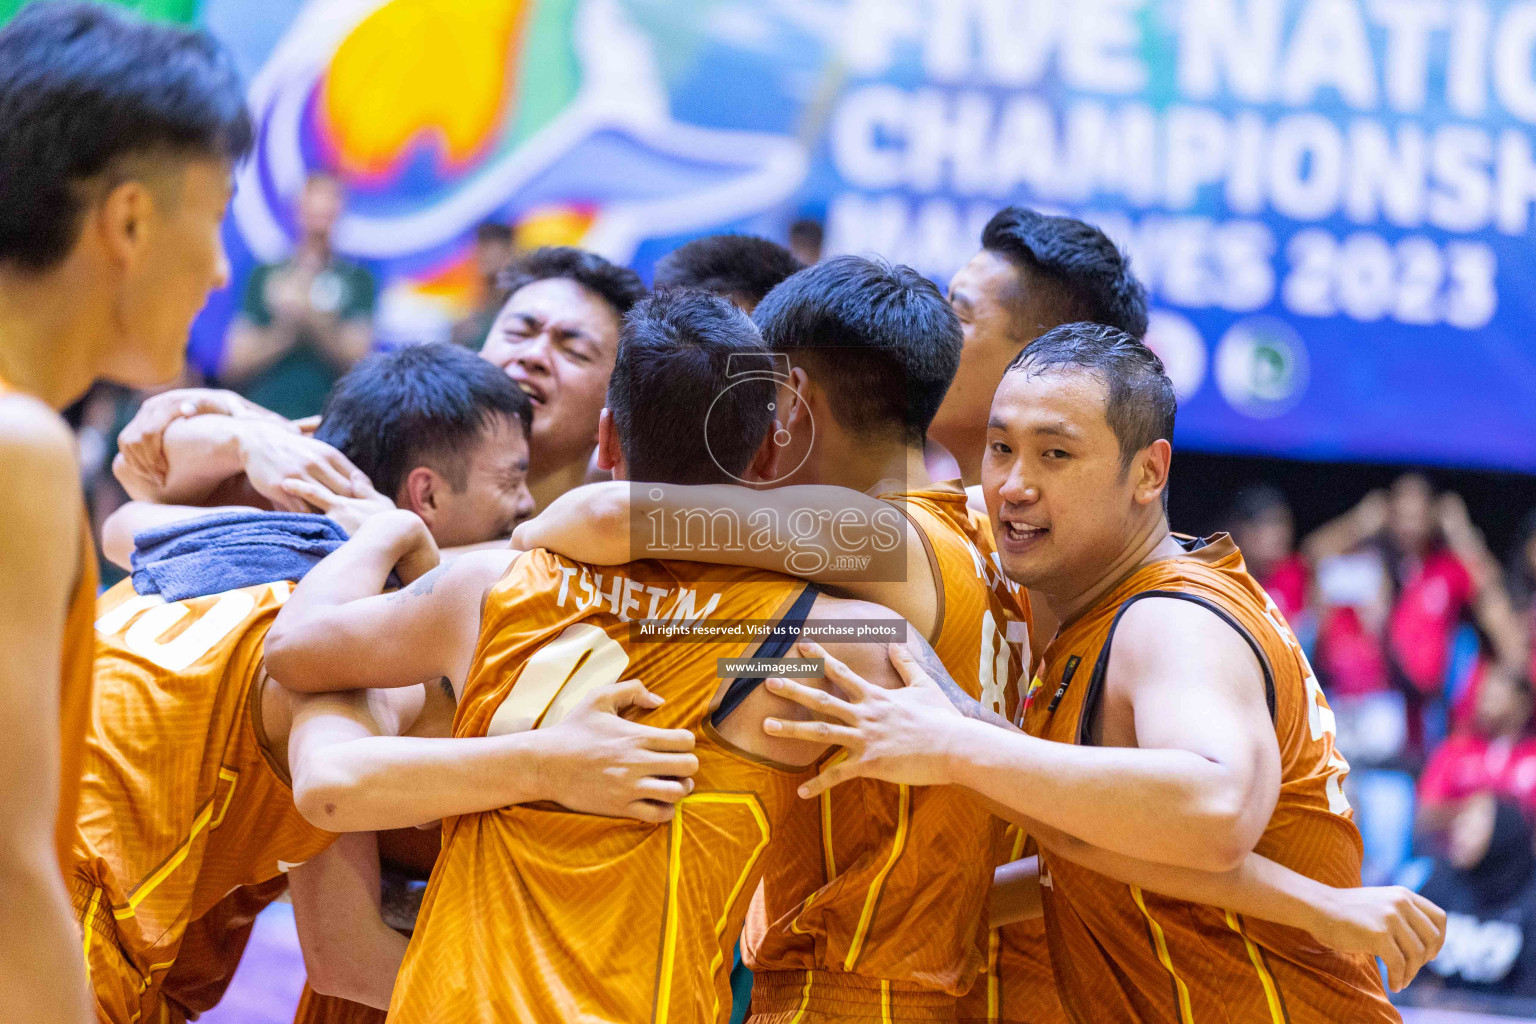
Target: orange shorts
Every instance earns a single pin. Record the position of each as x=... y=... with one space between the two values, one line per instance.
x=827 y=997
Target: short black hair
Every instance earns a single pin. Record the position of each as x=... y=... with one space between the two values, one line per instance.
x=881 y=339
x=419 y=405
x=493 y=231
x=1141 y=404
x=735 y=266
x=619 y=286
x=1090 y=279
x=689 y=400
x=84 y=85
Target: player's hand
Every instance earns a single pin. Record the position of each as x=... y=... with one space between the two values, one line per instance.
x=589 y=524
x=898 y=735
x=602 y=763
x=273 y=455
x=1396 y=924
x=142 y=441
x=349 y=511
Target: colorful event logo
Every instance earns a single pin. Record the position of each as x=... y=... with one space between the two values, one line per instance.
x=441 y=114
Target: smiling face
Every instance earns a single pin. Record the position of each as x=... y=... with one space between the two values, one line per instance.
x=494 y=498
x=1063 y=506
x=557 y=340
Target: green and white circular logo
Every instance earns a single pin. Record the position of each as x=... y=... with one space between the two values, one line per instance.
x=1178 y=344
x=1262 y=367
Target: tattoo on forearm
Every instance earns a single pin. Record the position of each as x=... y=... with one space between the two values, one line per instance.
x=963 y=702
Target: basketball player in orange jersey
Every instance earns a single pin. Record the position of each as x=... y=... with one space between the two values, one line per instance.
x=842 y=930
x=177 y=847
x=1177 y=721
x=595 y=919
x=556 y=337
x=1033 y=272
x=116 y=142
x=941 y=586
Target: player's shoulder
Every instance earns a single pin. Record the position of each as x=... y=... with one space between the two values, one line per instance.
x=36 y=446
x=29 y=429
x=1164 y=631
x=828 y=607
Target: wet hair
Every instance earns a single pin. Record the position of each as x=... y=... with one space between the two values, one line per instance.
x=1082 y=272
x=1141 y=404
x=734 y=266
x=85 y=86
x=619 y=286
x=688 y=398
x=880 y=339
x=415 y=406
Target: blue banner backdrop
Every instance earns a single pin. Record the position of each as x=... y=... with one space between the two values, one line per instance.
x=1330 y=200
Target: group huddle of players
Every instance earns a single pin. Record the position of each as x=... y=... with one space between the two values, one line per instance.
x=1095 y=782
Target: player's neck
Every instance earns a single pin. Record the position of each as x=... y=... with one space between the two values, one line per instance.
x=874 y=467
x=966 y=448
x=50 y=340
x=546 y=487
x=1151 y=542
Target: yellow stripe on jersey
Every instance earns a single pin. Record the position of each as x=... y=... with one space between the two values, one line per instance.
x=1271 y=991
x=1186 y=1015
x=885 y=1002
x=674 y=876
x=898 y=845
x=805 y=998
x=751 y=802
x=205 y=819
x=90 y=910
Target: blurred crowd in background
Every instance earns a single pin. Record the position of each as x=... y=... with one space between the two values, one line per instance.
x=1421 y=635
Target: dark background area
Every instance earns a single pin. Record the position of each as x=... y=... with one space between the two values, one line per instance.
x=1204 y=484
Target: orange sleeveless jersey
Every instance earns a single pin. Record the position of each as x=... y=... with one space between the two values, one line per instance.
x=535 y=913
x=1127 y=955
x=876 y=908
x=79 y=646
x=1016 y=984
x=184 y=826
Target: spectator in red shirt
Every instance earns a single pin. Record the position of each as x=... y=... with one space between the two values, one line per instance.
x=1261 y=524
x=1496 y=755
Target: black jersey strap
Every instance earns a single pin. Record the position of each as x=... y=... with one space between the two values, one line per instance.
x=783 y=637
x=1101 y=666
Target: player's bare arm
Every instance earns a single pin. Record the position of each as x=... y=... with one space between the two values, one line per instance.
x=141 y=441
x=1182 y=686
x=204 y=455
x=795 y=530
x=340 y=631
x=44 y=978
x=369 y=760
x=349 y=952
x=1401 y=927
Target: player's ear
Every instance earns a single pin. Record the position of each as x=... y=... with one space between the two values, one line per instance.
x=123 y=221
x=765 y=464
x=1150 y=471
x=793 y=410
x=420 y=493
x=610 y=456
